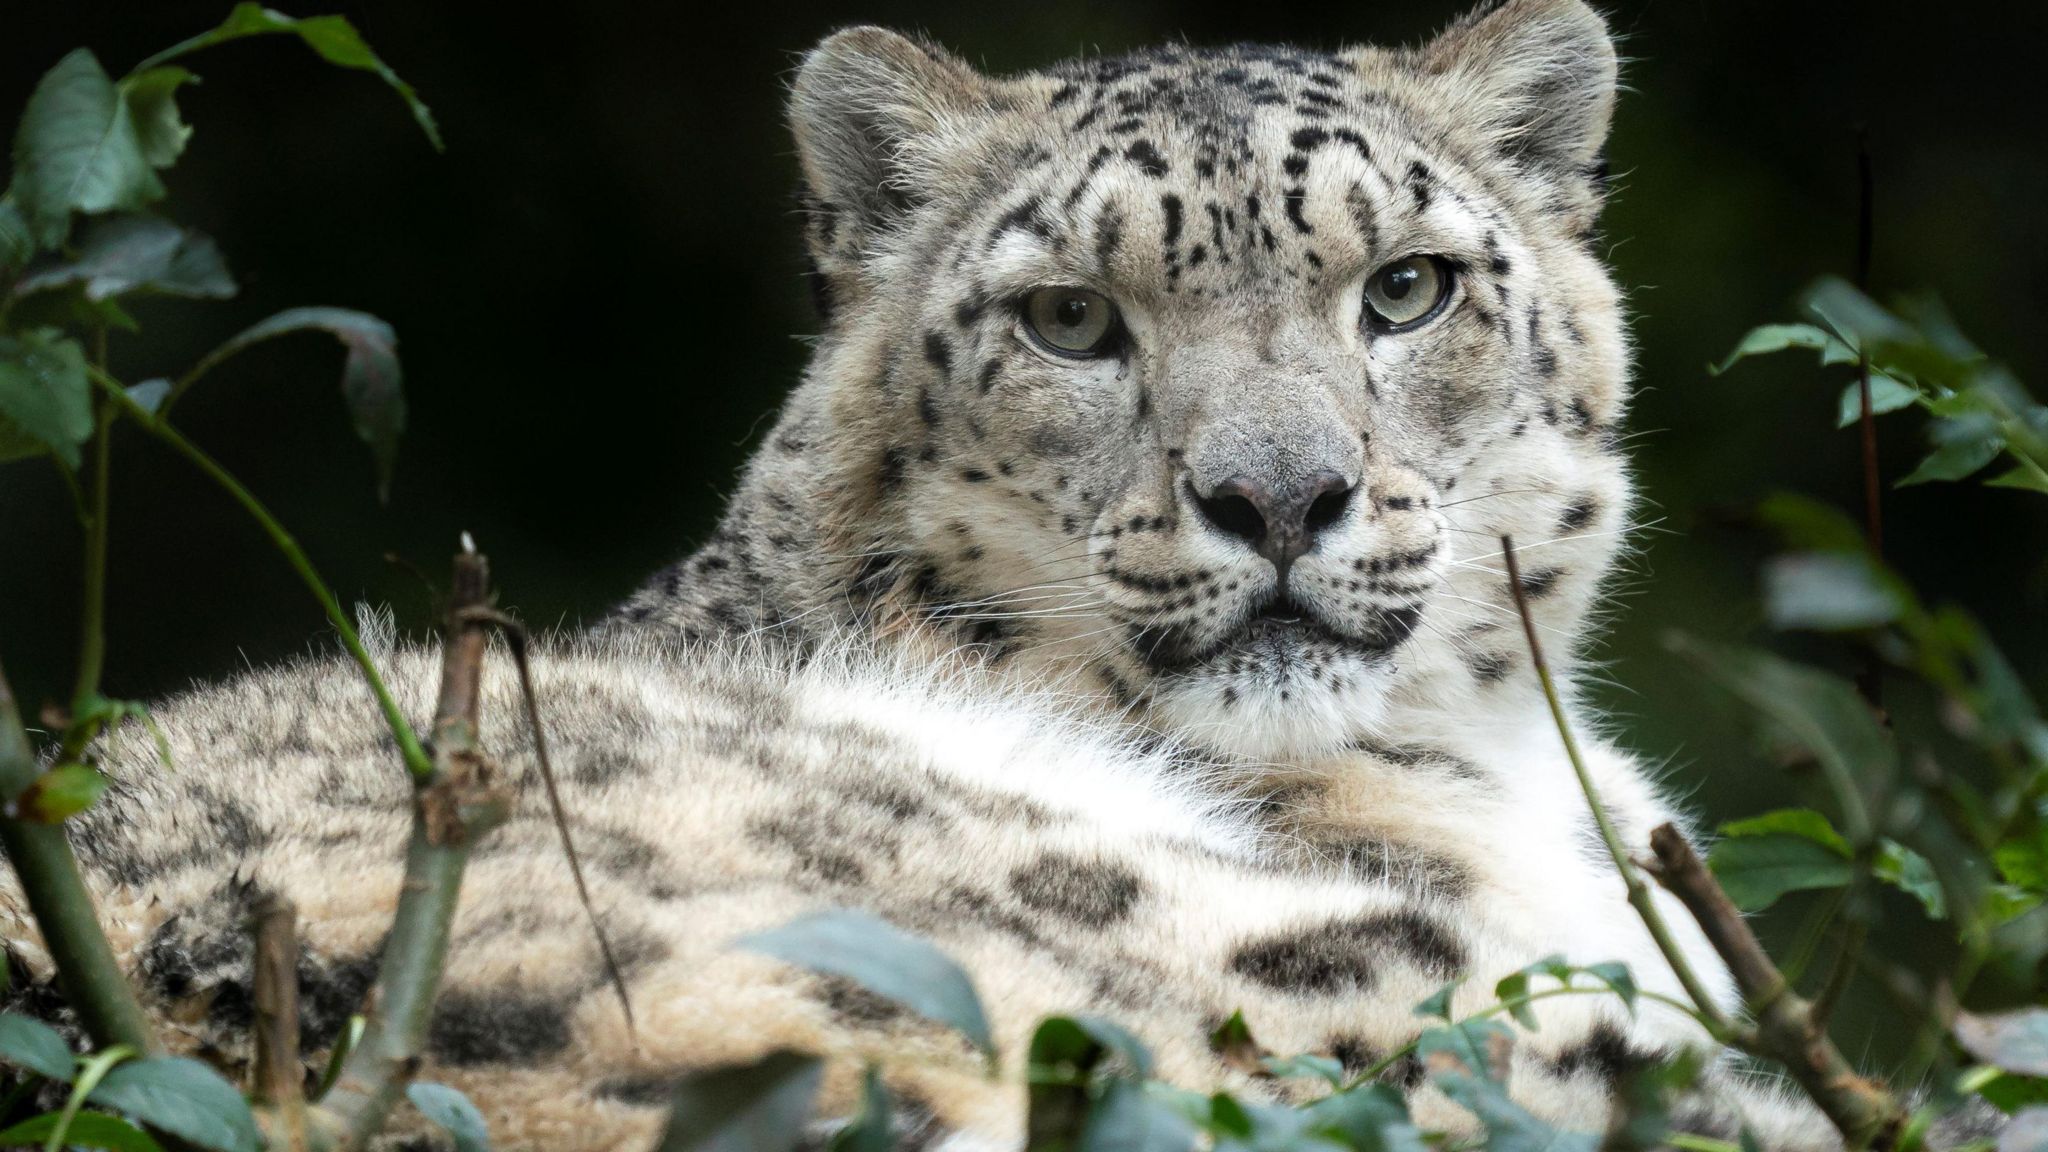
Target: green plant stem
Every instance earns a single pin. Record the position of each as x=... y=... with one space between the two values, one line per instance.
x=86 y=715
x=1640 y=895
x=1496 y=1008
x=87 y=974
x=463 y=799
x=416 y=759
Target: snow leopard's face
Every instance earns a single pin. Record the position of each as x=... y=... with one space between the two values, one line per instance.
x=1215 y=376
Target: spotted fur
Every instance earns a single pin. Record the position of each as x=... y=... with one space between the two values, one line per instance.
x=982 y=646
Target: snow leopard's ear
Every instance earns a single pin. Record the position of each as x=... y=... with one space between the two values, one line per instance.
x=878 y=119
x=1532 y=80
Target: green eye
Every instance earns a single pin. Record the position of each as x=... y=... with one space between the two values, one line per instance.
x=1407 y=292
x=1072 y=321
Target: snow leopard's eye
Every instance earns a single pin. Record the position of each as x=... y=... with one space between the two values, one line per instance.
x=1072 y=322
x=1407 y=293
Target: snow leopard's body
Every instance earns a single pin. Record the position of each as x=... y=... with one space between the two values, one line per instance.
x=980 y=647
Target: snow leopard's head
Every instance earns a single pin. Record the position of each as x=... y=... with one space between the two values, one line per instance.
x=1211 y=376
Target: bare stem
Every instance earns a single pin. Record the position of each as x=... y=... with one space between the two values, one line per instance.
x=1786 y=1031
x=280 y=1077
x=460 y=801
x=416 y=759
x=87 y=974
x=1640 y=895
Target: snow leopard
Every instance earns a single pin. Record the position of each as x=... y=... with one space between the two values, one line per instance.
x=1118 y=603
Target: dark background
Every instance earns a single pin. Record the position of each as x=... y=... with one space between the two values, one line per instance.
x=599 y=299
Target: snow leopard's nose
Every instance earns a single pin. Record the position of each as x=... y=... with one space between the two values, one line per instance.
x=1279 y=524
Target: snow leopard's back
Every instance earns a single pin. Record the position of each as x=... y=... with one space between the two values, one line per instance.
x=718 y=792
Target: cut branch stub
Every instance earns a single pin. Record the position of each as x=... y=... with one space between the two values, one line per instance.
x=455 y=806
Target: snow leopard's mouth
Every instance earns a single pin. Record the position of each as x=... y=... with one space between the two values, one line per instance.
x=1280 y=629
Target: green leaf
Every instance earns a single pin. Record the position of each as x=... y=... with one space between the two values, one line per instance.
x=184 y=1098
x=1233 y=1043
x=371 y=380
x=1886 y=395
x=1305 y=1067
x=1820 y=713
x=1755 y=871
x=869 y=1131
x=2014 y=1041
x=332 y=37
x=149 y=395
x=76 y=149
x=884 y=960
x=152 y=102
x=759 y=1107
x=1618 y=978
x=45 y=397
x=34 y=1045
x=453 y=1112
x=2009 y=1093
x=61 y=793
x=1801 y=822
x=1368 y=1118
x=1509 y=1126
x=87 y=1130
x=1130 y=1119
x=1860 y=321
x=122 y=254
x=1808 y=524
x=1831 y=591
x=16 y=245
x=1439 y=1002
x=1479 y=1047
x=1769 y=338
x=1956 y=460
x=1909 y=872
x=2031 y=479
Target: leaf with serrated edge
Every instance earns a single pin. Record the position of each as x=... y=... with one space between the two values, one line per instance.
x=884 y=960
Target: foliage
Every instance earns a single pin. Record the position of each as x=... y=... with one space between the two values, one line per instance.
x=1944 y=819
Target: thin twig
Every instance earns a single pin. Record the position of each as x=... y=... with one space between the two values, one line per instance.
x=87 y=974
x=516 y=636
x=1861 y=1109
x=280 y=1079
x=462 y=800
x=416 y=758
x=1640 y=895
